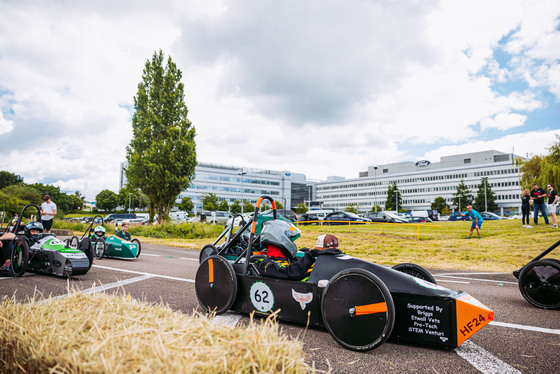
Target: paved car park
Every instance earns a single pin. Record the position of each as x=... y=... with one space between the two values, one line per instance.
x=521 y=339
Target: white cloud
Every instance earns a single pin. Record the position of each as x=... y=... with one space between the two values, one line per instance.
x=503 y=121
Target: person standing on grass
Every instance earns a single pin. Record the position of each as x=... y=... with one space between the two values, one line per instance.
x=526 y=207
x=537 y=195
x=48 y=211
x=476 y=220
x=552 y=202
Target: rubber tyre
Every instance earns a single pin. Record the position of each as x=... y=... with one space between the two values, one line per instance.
x=139 y=246
x=19 y=257
x=539 y=283
x=207 y=251
x=90 y=253
x=347 y=290
x=98 y=248
x=416 y=271
x=74 y=242
x=215 y=284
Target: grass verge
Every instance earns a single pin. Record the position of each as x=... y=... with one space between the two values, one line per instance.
x=103 y=333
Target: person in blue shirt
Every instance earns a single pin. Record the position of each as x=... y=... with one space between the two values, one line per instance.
x=476 y=220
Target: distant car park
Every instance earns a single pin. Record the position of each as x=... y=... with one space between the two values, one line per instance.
x=340 y=218
x=491 y=216
x=455 y=216
x=388 y=217
x=419 y=219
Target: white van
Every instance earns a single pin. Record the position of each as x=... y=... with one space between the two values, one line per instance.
x=320 y=213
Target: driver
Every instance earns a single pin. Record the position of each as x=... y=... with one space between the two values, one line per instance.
x=32 y=231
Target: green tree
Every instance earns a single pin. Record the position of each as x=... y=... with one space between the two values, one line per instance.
x=223 y=206
x=12 y=205
x=186 y=204
x=542 y=169
x=24 y=192
x=463 y=196
x=131 y=196
x=248 y=207
x=352 y=208
x=209 y=201
x=107 y=200
x=278 y=204
x=482 y=201
x=162 y=154
x=393 y=194
x=9 y=179
x=439 y=204
x=373 y=208
x=301 y=208
x=235 y=207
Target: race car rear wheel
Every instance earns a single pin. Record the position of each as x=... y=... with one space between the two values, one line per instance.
x=98 y=248
x=215 y=284
x=358 y=310
x=207 y=251
x=416 y=271
x=73 y=242
x=138 y=245
x=19 y=257
x=539 y=283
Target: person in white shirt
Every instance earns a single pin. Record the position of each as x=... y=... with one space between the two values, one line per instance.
x=48 y=211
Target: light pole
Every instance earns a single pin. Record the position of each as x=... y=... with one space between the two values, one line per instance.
x=397 y=201
x=485 y=200
x=129 y=196
x=310 y=188
x=375 y=186
x=242 y=189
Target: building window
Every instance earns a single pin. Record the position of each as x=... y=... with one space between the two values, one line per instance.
x=385 y=171
x=467 y=161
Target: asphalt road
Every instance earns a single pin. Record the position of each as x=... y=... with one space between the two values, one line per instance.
x=522 y=338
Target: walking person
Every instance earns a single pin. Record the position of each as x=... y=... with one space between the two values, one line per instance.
x=476 y=220
x=526 y=208
x=537 y=195
x=48 y=211
x=552 y=202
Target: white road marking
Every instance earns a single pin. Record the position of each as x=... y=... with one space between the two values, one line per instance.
x=472 y=273
x=474 y=279
x=189 y=259
x=524 y=327
x=144 y=273
x=453 y=281
x=483 y=360
x=147 y=254
x=120 y=283
x=229 y=319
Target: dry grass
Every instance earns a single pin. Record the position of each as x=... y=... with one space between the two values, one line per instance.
x=116 y=334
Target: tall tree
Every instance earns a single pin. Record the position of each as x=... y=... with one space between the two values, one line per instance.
x=223 y=206
x=393 y=195
x=235 y=207
x=8 y=179
x=209 y=201
x=542 y=169
x=439 y=204
x=186 y=204
x=352 y=208
x=107 y=200
x=485 y=198
x=162 y=154
x=462 y=197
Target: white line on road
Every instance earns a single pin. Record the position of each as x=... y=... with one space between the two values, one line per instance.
x=143 y=273
x=229 y=319
x=524 y=327
x=189 y=259
x=483 y=360
x=123 y=282
x=147 y=254
x=453 y=281
x=474 y=279
x=472 y=273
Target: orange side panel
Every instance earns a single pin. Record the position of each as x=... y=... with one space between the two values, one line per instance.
x=211 y=271
x=371 y=309
x=254 y=227
x=472 y=316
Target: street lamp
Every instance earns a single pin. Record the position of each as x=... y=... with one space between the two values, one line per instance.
x=397 y=201
x=309 y=188
x=375 y=186
x=242 y=189
x=129 y=196
x=485 y=200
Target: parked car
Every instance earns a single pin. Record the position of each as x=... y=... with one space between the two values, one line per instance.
x=384 y=217
x=491 y=216
x=419 y=219
x=344 y=216
x=286 y=213
x=119 y=216
x=320 y=213
x=455 y=216
x=310 y=217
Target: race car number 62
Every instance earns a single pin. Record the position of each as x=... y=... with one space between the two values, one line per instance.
x=262 y=297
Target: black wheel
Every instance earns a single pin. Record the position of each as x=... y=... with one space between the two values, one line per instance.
x=73 y=242
x=19 y=257
x=416 y=271
x=207 y=251
x=539 y=283
x=215 y=284
x=98 y=248
x=358 y=310
x=139 y=246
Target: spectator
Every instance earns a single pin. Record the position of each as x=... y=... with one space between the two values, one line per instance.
x=476 y=220
x=537 y=195
x=48 y=211
x=526 y=208
x=124 y=234
x=552 y=202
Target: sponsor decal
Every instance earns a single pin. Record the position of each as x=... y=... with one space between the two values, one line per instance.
x=302 y=298
x=423 y=163
x=261 y=297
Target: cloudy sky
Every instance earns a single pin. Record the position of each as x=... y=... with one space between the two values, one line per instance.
x=315 y=87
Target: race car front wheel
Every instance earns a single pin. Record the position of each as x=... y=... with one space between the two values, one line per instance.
x=19 y=257
x=99 y=248
x=358 y=310
x=207 y=251
x=539 y=283
x=137 y=242
x=73 y=242
x=416 y=271
x=215 y=284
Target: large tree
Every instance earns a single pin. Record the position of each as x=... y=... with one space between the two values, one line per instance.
x=107 y=200
x=186 y=204
x=210 y=201
x=393 y=195
x=542 y=169
x=485 y=198
x=9 y=179
x=161 y=155
x=462 y=197
x=439 y=204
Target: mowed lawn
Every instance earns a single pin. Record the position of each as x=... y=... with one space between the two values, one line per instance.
x=505 y=244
